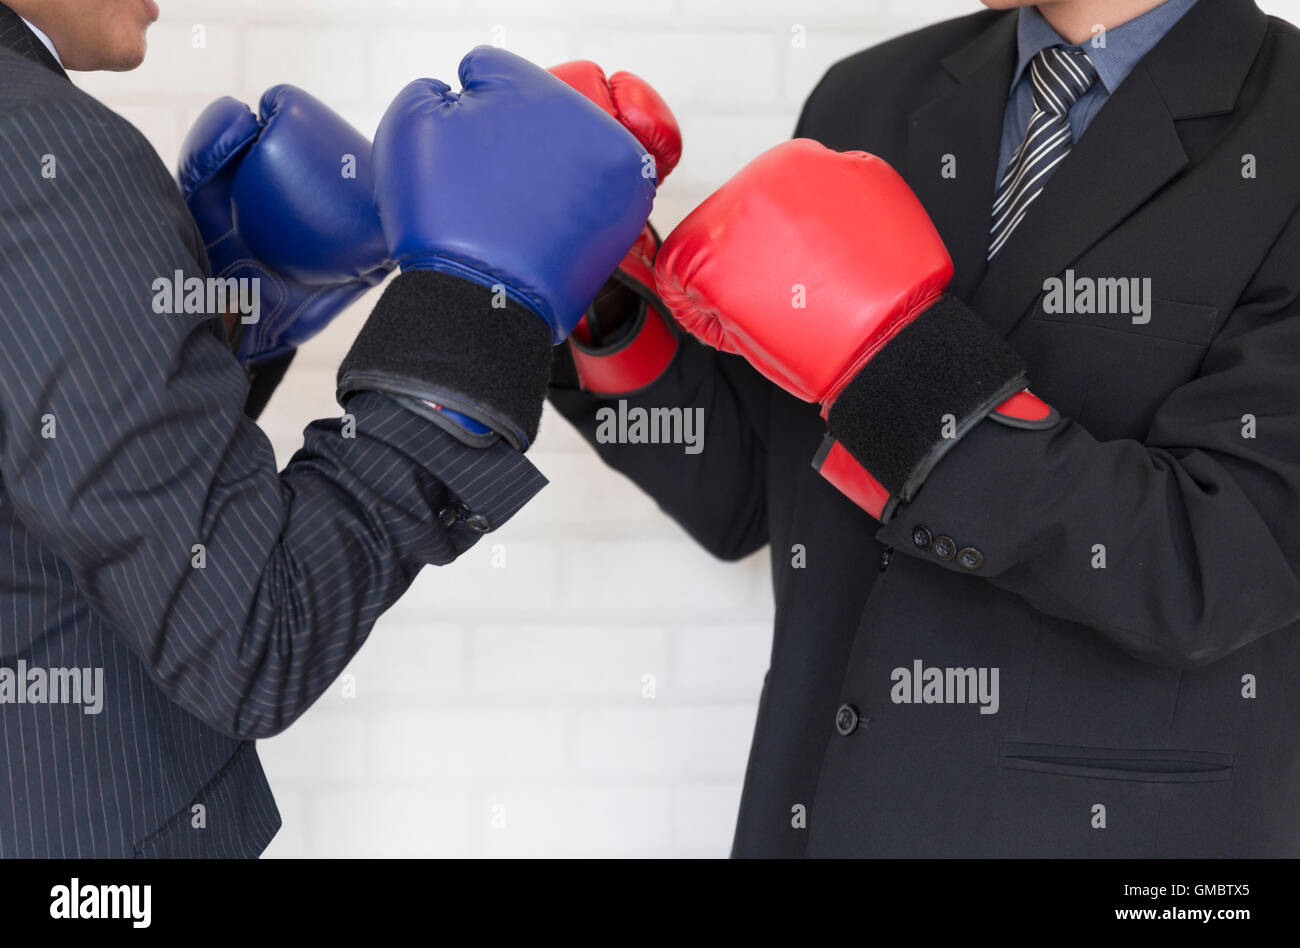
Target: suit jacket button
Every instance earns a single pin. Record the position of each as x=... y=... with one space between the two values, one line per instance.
x=945 y=548
x=846 y=719
x=970 y=558
x=478 y=523
x=921 y=536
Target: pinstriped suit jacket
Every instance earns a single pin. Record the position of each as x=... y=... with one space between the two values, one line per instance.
x=123 y=448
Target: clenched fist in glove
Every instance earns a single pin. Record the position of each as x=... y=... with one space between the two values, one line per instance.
x=823 y=270
x=620 y=355
x=286 y=197
x=507 y=205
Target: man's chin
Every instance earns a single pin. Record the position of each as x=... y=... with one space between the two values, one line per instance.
x=120 y=57
x=129 y=57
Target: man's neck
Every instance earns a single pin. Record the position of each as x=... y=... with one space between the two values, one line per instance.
x=1078 y=20
x=45 y=40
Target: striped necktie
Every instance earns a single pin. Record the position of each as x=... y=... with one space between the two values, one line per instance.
x=1059 y=78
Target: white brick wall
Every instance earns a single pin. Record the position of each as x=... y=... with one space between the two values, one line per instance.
x=594 y=696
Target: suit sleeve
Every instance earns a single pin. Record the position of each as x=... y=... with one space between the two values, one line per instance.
x=243 y=591
x=1199 y=524
x=719 y=495
x=716 y=494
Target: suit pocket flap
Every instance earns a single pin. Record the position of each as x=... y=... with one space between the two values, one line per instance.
x=1117 y=763
x=1172 y=320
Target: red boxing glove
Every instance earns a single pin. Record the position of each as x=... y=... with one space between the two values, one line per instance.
x=823 y=270
x=645 y=347
x=635 y=104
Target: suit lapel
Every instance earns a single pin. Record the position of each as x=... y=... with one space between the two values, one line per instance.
x=966 y=123
x=1127 y=154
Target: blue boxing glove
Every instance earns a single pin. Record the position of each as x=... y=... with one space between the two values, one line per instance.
x=507 y=206
x=287 y=198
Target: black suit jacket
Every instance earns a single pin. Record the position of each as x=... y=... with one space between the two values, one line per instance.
x=1137 y=587
x=144 y=530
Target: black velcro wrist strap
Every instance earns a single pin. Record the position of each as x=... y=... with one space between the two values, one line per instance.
x=939 y=376
x=439 y=338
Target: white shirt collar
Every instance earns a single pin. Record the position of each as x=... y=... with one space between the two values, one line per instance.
x=44 y=39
